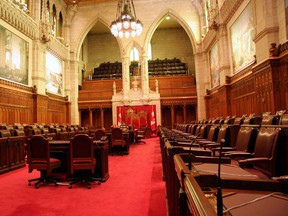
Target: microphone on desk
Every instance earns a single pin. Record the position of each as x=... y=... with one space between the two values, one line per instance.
x=219 y=188
x=189 y=154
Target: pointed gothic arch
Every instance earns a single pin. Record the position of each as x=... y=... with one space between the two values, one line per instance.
x=178 y=18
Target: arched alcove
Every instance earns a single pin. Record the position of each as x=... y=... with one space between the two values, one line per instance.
x=98 y=46
x=179 y=45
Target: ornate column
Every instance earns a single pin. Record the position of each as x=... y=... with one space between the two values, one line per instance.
x=144 y=76
x=203 y=83
x=73 y=77
x=125 y=76
x=224 y=66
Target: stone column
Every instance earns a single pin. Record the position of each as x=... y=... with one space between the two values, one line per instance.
x=203 y=83
x=39 y=62
x=72 y=75
x=224 y=65
x=125 y=77
x=144 y=76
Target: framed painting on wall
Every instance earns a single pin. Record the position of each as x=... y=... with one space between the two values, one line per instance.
x=214 y=66
x=14 y=57
x=54 y=81
x=242 y=35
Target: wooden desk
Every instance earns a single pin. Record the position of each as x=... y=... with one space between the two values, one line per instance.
x=203 y=201
x=101 y=156
x=198 y=186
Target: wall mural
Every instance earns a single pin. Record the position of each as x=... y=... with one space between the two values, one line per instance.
x=242 y=34
x=214 y=66
x=54 y=81
x=14 y=56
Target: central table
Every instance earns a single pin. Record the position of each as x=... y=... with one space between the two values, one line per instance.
x=101 y=156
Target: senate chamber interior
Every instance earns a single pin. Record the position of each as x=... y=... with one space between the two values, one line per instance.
x=82 y=81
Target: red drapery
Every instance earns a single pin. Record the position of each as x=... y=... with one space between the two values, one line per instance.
x=138 y=116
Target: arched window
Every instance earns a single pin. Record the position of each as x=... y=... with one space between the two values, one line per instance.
x=60 y=26
x=134 y=54
x=54 y=22
x=48 y=11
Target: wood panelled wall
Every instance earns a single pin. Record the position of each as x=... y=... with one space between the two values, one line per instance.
x=257 y=89
x=22 y=104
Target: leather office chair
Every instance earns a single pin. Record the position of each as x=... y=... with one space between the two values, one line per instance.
x=222 y=134
x=139 y=136
x=82 y=159
x=211 y=137
x=38 y=151
x=117 y=141
x=265 y=152
x=244 y=143
x=99 y=133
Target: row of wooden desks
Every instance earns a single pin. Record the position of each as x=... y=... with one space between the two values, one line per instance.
x=61 y=148
x=193 y=191
x=242 y=192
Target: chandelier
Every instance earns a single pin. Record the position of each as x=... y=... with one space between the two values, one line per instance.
x=126 y=23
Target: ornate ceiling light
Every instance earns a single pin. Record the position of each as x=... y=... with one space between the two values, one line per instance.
x=126 y=23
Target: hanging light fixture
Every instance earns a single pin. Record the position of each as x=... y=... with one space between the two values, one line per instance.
x=126 y=23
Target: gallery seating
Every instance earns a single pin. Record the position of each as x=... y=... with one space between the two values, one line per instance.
x=170 y=67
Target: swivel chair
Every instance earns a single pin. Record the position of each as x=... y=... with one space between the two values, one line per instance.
x=117 y=141
x=38 y=158
x=82 y=159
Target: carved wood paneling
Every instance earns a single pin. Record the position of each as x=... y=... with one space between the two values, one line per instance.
x=22 y=104
x=242 y=97
x=263 y=89
x=217 y=103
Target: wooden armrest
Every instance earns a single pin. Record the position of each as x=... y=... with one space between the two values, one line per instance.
x=239 y=154
x=210 y=159
x=224 y=150
x=281 y=178
x=212 y=145
x=205 y=142
x=252 y=161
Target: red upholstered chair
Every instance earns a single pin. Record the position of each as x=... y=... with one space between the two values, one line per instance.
x=82 y=159
x=118 y=143
x=39 y=158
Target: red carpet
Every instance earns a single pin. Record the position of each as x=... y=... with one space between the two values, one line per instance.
x=135 y=188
